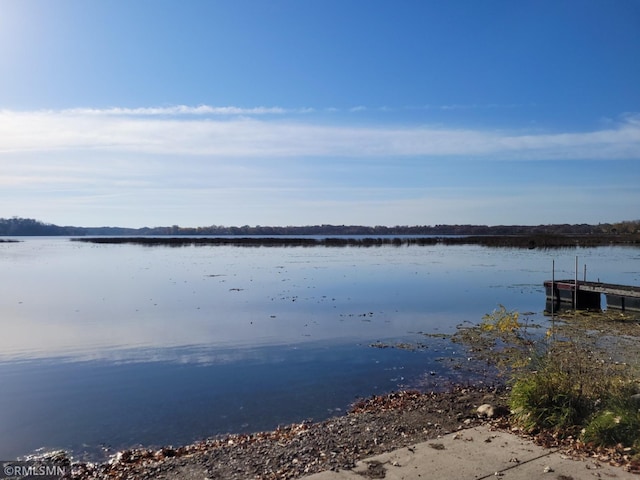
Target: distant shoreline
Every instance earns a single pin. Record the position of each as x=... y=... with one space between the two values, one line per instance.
x=17 y=226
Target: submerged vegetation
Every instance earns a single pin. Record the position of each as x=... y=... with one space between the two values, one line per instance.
x=526 y=241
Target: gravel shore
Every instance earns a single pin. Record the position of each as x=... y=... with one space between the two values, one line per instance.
x=376 y=425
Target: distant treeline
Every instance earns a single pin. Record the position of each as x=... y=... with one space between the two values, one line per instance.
x=24 y=226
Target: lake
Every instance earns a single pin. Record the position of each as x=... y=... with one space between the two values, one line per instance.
x=105 y=347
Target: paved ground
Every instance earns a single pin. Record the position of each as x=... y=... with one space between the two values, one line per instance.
x=476 y=453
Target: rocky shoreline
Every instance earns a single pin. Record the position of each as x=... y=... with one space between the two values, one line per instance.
x=372 y=426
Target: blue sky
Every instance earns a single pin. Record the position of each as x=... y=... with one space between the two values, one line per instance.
x=160 y=112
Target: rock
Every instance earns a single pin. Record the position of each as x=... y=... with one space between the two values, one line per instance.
x=486 y=410
x=636 y=398
x=490 y=411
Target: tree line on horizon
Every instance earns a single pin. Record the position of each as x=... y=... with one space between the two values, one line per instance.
x=17 y=226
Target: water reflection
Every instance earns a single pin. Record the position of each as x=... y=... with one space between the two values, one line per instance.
x=93 y=408
x=64 y=298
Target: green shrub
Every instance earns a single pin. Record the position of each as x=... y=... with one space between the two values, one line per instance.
x=564 y=388
x=613 y=427
x=618 y=422
x=547 y=399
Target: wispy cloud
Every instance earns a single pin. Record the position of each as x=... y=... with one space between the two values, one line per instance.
x=176 y=110
x=474 y=106
x=224 y=111
x=179 y=130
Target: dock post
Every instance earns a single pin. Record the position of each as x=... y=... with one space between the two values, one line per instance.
x=575 y=290
x=553 y=293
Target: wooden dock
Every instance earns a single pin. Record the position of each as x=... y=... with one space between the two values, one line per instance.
x=562 y=293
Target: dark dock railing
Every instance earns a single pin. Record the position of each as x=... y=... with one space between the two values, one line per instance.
x=588 y=295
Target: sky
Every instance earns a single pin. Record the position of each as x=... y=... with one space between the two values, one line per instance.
x=303 y=112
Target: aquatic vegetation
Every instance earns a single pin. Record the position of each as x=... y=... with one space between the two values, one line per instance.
x=501 y=320
x=579 y=378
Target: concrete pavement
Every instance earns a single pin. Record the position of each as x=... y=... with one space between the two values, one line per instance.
x=475 y=454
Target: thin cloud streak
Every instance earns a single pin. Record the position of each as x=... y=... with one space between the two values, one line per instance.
x=201 y=110
x=71 y=130
x=230 y=110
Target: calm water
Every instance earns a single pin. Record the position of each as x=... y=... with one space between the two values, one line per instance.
x=105 y=347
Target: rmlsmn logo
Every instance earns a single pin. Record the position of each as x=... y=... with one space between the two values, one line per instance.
x=32 y=470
